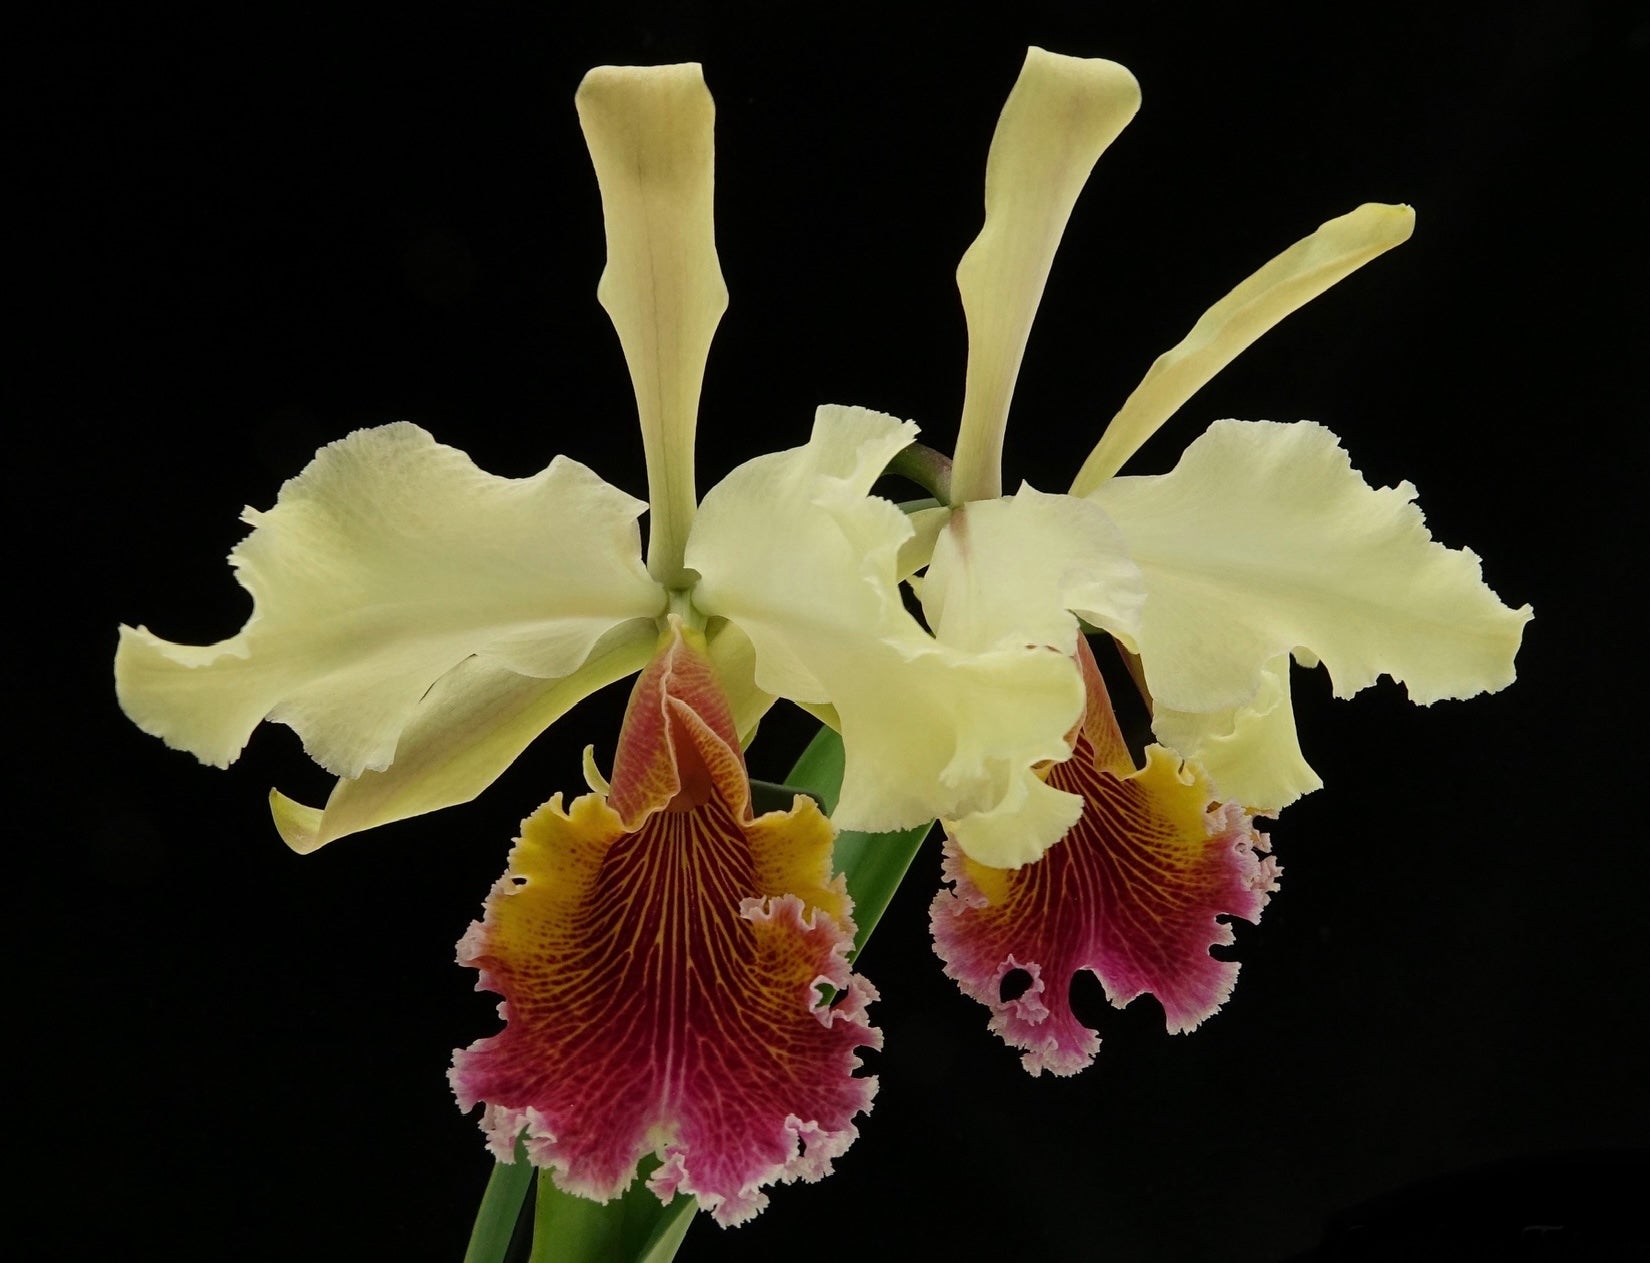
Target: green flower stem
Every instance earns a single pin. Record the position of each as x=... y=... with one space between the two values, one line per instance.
x=929 y=469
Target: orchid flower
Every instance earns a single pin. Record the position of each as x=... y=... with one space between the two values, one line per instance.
x=418 y=621
x=1261 y=545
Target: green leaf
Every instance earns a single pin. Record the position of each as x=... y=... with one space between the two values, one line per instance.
x=635 y=1227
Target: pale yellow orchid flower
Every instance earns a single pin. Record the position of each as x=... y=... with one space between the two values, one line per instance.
x=419 y=621
x=1262 y=544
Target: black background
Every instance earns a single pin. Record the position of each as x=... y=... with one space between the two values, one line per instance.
x=253 y=231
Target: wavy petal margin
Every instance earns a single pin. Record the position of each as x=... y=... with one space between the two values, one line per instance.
x=1013 y=571
x=661 y=956
x=1134 y=894
x=1007 y=574
x=1251 y=751
x=386 y=563
x=793 y=549
x=1264 y=540
x=472 y=725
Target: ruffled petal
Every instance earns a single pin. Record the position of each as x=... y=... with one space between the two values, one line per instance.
x=384 y=565
x=792 y=549
x=649 y=131
x=1287 y=283
x=1250 y=752
x=795 y=536
x=1133 y=894
x=1061 y=115
x=472 y=725
x=1264 y=539
x=1031 y=816
x=1013 y=571
x=1010 y=573
x=661 y=972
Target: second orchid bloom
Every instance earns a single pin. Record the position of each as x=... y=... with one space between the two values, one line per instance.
x=1261 y=545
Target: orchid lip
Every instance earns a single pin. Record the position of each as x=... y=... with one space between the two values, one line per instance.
x=661 y=952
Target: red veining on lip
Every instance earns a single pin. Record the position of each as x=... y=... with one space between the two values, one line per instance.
x=1134 y=893
x=660 y=953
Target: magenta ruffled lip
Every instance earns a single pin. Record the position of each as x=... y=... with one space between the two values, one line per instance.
x=1136 y=893
x=662 y=977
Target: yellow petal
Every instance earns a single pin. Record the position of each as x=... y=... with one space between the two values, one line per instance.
x=1264 y=539
x=1008 y=574
x=916 y=552
x=734 y=657
x=1058 y=120
x=1250 y=752
x=796 y=537
x=1013 y=571
x=467 y=730
x=1291 y=280
x=384 y=565
x=1031 y=817
x=649 y=130
x=793 y=549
